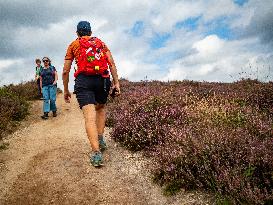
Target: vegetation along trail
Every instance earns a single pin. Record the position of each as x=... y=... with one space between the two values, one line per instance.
x=47 y=162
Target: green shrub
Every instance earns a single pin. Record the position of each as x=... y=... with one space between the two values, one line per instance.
x=14 y=105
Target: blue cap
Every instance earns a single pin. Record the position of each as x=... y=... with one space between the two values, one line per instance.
x=84 y=26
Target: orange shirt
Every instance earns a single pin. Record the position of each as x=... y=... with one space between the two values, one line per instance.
x=73 y=50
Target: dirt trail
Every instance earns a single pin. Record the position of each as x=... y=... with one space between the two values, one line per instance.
x=47 y=163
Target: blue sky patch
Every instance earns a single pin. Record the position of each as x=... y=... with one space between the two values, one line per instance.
x=190 y=23
x=220 y=27
x=221 y=31
x=159 y=40
x=137 y=29
x=240 y=2
x=166 y=59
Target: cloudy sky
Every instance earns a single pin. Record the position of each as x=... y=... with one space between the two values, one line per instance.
x=204 y=40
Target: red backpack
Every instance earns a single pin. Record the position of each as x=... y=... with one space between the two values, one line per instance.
x=92 y=59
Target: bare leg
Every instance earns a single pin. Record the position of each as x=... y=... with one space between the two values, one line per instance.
x=100 y=118
x=89 y=113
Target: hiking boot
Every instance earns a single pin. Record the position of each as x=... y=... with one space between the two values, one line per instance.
x=45 y=116
x=96 y=159
x=102 y=144
x=54 y=113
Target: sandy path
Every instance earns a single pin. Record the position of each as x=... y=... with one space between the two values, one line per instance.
x=47 y=163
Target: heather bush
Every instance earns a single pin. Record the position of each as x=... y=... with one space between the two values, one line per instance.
x=14 y=104
x=27 y=90
x=262 y=97
x=211 y=136
x=152 y=120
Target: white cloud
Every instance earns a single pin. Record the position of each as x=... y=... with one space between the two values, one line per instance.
x=8 y=62
x=209 y=45
x=220 y=60
x=176 y=72
x=136 y=71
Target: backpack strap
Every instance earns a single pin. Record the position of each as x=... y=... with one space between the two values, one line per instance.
x=52 y=70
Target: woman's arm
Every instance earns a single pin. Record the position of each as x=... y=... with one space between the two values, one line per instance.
x=36 y=76
x=114 y=72
x=56 y=78
x=66 y=70
x=41 y=84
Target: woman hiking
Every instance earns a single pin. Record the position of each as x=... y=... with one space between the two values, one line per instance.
x=92 y=84
x=48 y=83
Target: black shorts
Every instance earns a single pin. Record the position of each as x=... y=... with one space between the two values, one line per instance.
x=91 y=89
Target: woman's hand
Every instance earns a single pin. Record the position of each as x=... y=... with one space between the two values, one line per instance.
x=67 y=96
x=116 y=86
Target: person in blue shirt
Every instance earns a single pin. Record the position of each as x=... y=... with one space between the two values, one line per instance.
x=48 y=83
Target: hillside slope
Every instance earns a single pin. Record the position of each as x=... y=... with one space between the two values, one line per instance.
x=47 y=163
